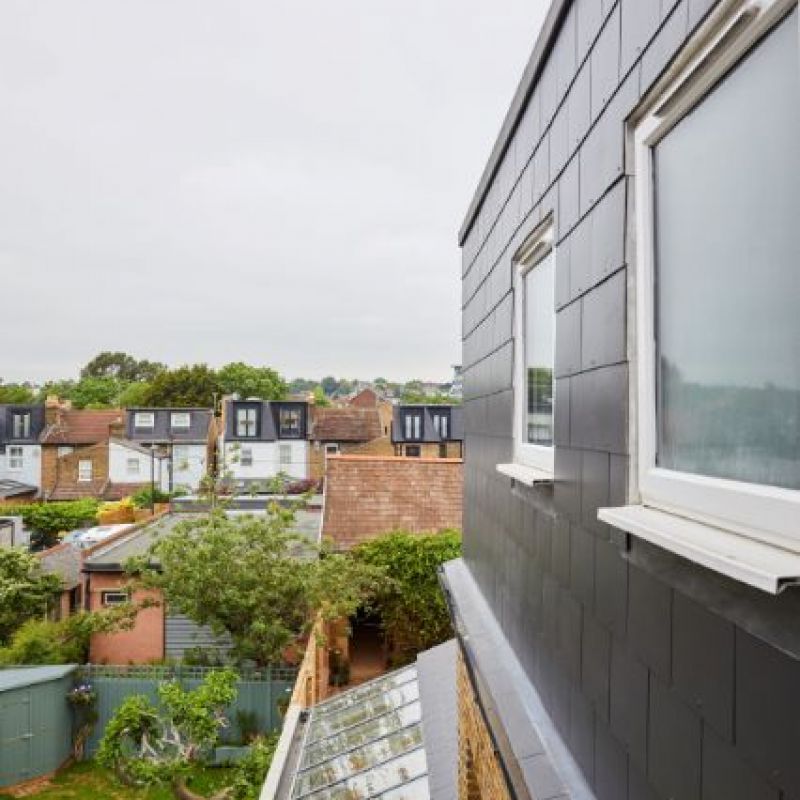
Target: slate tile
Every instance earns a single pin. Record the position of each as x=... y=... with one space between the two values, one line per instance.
x=628 y=701
x=608 y=233
x=579 y=103
x=604 y=61
x=566 y=493
x=582 y=565
x=665 y=45
x=698 y=10
x=599 y=406
x=570 y=616
x=603 y=325
x=639 y=23
x=582 y=734
x=560 y=143
x=568 y=197
x=596 y=664
x=561 y=551
x=540 y=777
x=727 y=776
x=611 y=765
x=650 y=621
x=767 y=699
x=568 y=340
x=703 y=662
x=618 y=480
x=589 y=20
x=611 y=586
x=638 y=785
x=541 y=168
x=561 y=422
x=580 y=257
x=594 y=488
x=673 y=763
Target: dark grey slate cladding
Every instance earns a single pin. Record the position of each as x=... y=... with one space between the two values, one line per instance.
x=429 y=434
x=199 y=420
x=268 y=415
x=664 y=679
x=6 y=423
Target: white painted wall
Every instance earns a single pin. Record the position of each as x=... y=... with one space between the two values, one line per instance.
x=31 y=471
x=266 y=461
x=118 y=456
x=188 y=466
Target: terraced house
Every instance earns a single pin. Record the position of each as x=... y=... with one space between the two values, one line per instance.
x=20 y=451
x=627 y=603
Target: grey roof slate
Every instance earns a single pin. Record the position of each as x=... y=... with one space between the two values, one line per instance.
x=161 y=432
x=9 y=488
x=268 y=412
x=29 y=676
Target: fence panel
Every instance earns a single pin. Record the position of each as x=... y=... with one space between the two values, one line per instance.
x=259 y=692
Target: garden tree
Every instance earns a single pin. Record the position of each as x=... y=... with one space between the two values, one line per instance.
x=133 y=394
x=101 y=392
x=15 y=393
x=320 y=398
x=250 y=577
x=65 y=641
x=147 y=744
x=189 y=385
x=411 y=603
x=25 y=590
x=300 y=385
x=62 y=389
x=329 y=384
x=47 y=520
x=122 y=366
x=411 y=398
x=246 y=381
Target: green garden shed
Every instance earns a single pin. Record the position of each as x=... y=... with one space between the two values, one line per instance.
x=35 y=722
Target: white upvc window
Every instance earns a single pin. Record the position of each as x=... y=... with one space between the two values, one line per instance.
x=21 y=425
x=285 y=456
x=246 y=422
x=717 y=163
x=332 y=448
x=412 y=422
x=180 y=420
x=246 y=457
x=16 y=458
x=114 y=598
x=144 y=419
x=132 y=466
x=85 y=470
x=534 y=353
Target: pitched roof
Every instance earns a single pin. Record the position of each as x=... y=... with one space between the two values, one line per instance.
x=10 y=488
x=86 y=426
x=349 y=424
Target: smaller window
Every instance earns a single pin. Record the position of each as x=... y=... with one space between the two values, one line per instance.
x=16 y=458
x=412 y=425
x=285 y=455
x=413 y=451
x=246 y=457
x=247 y=422
x=441 y=424
x=332 y=448
x=442 y=451
x=85 y=469
x=144 y=419
x=289 y=422
x=132 y=466
x=21 y=425
x=111 y=598
x=180 y=420
x=65 y=450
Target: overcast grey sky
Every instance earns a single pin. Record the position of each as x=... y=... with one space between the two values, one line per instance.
x=215 y=180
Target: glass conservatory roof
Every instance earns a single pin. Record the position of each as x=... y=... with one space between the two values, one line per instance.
x=366 y=743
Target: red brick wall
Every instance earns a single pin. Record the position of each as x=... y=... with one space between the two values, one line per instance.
x=366 y=496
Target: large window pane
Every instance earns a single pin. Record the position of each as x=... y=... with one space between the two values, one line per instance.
x=728 y=275
x=538 y=288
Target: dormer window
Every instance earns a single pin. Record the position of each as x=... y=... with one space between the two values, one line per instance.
x=412 y=425
x=247 y=422
x=289 y=422
x=145 y=420
x=441 y=424
x=21 y=426
x=180 y=420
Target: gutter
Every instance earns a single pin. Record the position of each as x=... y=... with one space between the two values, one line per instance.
x=530 y=77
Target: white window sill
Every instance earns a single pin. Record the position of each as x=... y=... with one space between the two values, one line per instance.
x=764 y=566
x=530 y=476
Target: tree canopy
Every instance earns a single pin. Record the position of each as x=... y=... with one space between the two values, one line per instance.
x=15 y=393
x=251 y=577
x=189 y=385
x=247 y=381
x=122 y=366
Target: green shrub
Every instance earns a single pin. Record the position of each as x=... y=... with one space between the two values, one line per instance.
x=147 y=497
x=252 y=769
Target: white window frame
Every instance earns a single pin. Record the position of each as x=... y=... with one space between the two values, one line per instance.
x=23 y=429
x=82 y=472
x=245 y=418
x=441 y=423
x=144 y=420
x=539 y=458
x=282 y=450
x=332 y=448
x=132 y=466
x=16 y=458
x=412 y=425
x=246 y=457
x=766 y=513
x=180 y=420
x=114 y=597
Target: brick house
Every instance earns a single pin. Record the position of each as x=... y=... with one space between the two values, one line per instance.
x=346 y=429
x=626 y=604
x=429 y=431
x=366 y=496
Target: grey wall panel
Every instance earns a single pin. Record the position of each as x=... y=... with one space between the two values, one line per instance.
x=639 y=23
x=604 y=311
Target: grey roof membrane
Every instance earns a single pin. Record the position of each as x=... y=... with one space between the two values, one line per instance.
x=29 y=676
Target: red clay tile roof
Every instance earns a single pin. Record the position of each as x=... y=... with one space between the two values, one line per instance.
x=349 y=424
x=86 y=426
